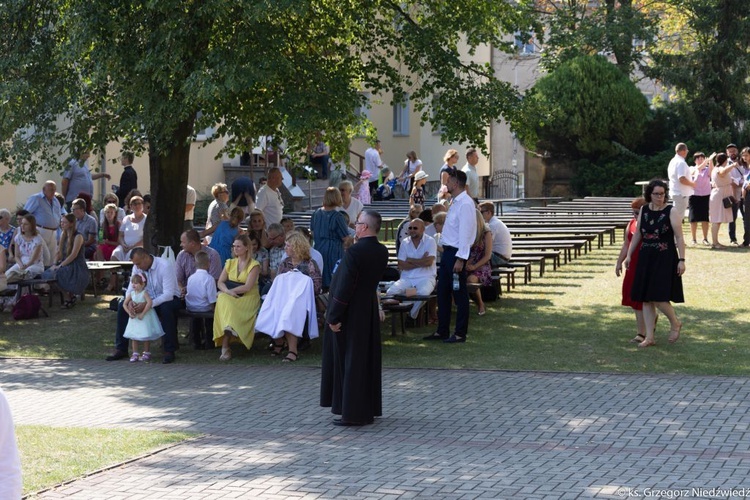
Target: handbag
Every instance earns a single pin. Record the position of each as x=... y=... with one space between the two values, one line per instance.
x=27 y=307
x=729 y=201
x=232 y=285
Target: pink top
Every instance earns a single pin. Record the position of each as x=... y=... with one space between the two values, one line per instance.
x=702 y=181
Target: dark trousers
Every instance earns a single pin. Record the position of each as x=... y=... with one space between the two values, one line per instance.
x=322 y=161
x=745 y=220
x=733 y=224
x=167 y=313
x=445 y=293
x=202 y=331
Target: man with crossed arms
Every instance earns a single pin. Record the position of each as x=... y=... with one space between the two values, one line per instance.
x=416 y=261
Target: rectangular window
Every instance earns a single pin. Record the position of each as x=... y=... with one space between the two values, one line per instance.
x=401 y=117
x=524 y=43
x=205 y=133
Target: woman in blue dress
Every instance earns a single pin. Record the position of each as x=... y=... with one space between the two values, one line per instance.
x=222 y=234
x=70 y=265
x=329 y=232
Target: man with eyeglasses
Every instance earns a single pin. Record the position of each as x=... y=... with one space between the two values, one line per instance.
x=276 y=237
x=680 y=184
x=416 y=261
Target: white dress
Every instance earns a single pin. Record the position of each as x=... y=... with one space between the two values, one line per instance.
x=146 y=329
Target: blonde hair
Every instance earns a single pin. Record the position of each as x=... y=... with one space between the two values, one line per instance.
x=138 y=277
x=332 y=198
x=219 y=186
x=450 y=154
x=299 y=245
x=481 y=227
x=439 y=218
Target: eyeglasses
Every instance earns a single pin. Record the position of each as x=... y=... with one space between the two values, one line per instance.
x=358 y=223
x=661 y=193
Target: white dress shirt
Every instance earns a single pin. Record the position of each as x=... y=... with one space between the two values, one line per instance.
x=270 y=203
x=460 y=228
x=677 y=168
x=161 y=281
x=502 y=242
x=407 y=250
x=201 y=291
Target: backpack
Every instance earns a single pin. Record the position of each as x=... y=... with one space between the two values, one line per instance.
x=27 y=307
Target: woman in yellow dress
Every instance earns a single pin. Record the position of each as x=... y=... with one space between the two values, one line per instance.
x=239 y=299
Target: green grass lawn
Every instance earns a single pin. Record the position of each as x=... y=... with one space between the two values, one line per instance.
x=569 y=320
x=51 y=455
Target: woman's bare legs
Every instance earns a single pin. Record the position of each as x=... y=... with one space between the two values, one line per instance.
x=649 y=317
x=674 y=323
x=291 y=341
x=715 y=234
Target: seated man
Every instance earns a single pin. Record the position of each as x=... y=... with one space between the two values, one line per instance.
x=185 y=267
x=201 y=298
x=402 y=231
x=87 y=226
x=161 y=284
x=416 y=261
x=502 y=242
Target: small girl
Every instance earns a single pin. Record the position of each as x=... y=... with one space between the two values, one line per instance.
x=417 y=193
x=144 y=326
x=362 y=189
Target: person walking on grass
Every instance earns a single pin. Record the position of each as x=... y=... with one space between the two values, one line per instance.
x=144 y=326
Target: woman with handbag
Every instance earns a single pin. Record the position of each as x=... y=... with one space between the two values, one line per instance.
x=238 y=301
x=721 y=199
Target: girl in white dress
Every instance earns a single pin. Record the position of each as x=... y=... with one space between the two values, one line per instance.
x=144 y=326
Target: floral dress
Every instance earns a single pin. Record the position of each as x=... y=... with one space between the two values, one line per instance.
x=483 y=272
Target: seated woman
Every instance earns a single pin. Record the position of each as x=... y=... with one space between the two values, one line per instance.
x=257 y=226
x=113 y=199
x=218 y=210
x=130 y=235
x=110 y=231
x=27 y=251
x=70 y=263
x=238 y=301
x=223 y=234
x=261 y=255
x=478 y=265
x=6 y=230
x=298 y=258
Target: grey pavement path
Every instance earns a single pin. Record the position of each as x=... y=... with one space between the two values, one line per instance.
x=445 y=434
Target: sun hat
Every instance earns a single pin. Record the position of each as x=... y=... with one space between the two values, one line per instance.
x=420 y=175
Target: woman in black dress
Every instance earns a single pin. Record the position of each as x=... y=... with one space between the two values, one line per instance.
x=661 y=262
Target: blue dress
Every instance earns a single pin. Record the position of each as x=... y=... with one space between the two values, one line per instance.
x=73 y=278
x=329 y=230
x=222 y=240
x=146 y=329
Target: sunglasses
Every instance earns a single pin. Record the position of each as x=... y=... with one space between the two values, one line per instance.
x=413 y=227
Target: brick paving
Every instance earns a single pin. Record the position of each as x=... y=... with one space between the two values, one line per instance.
x=448 y=434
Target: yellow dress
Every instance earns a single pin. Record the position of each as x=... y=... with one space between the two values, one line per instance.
x=241 y=312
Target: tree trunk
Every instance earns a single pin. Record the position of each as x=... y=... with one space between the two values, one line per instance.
x=169 y=177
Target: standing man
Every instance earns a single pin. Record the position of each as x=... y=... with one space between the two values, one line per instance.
x=680 y=184
x=189 y=208
x=416 y=261
x=87 y=226
x=268 y=200
x=79 y=179
x=47 y=211
x=321 y=154
x=351 y=383
x=502 y=242
x=458 y=235
x=472 y=178
x=161 y=285
x=738 y=180
x=373 y=164
x=128 y=179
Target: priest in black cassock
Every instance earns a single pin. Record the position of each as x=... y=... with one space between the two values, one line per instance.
x=351 y=382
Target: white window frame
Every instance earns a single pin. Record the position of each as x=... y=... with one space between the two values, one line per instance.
x=401 y=111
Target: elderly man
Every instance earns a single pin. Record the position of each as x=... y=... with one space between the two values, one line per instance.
x=502 y=242
x=402 y=230
x=458 y=235
x=161 y=285
x=416 y=261
x=185 y=266
x=87 y=226
x=47 y=211
x=437 y=208
x=268 y=200
x=680 y=184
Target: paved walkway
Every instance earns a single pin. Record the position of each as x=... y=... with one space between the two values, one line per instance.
x=446 y=434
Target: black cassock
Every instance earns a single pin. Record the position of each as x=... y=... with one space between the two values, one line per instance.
x=351 y=382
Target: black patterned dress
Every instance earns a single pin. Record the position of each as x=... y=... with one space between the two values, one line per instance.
x=656 y=278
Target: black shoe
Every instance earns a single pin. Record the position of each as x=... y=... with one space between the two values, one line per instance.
x=346 y=423
x=209 y=344
x=434 y=336
x=117 y=355
x=454 y=339
x=199 y=347
x=168 y=358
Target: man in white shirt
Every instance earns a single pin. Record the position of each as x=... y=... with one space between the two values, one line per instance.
x=161 y=284
x=680 y=183
x=416 y=261
x=373 y=164
x=201 y=297
x=11 y=486
x=502 y=242
x=458 y=235
x=268 y=200
x=472 y=178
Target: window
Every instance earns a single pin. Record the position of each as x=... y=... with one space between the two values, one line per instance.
x=363 y=110
x=205 y=133
x=401 y=117
x=524 y=43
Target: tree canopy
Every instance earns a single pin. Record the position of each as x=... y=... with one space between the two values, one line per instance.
x=78 y=74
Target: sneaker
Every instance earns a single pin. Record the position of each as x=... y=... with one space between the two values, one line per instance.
x=734 y=244
x=705 y=242
x=134 y=358
x=694 y=243
x=146 y=357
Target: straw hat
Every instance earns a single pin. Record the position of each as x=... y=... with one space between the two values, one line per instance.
x=420 y=175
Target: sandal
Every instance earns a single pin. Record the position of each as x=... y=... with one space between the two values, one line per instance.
x=287 y=359
x=647 y=343
x=638 y=339
x=68 y=304
x=134 y=357
x=226 y=354
x=277 y=349
x=146 y=357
